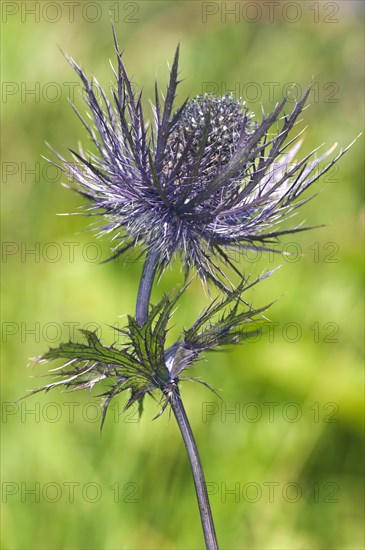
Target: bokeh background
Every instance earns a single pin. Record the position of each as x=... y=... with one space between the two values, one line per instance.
x=283 y=454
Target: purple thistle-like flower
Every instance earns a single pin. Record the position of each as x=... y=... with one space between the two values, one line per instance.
x=205 y=181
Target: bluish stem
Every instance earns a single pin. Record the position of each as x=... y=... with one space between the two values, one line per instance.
x=197 y=470
x=143 y=300
x=145 y=286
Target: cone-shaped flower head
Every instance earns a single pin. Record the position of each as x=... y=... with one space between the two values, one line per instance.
x=204 y=182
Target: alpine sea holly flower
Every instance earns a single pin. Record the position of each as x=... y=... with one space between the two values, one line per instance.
x=204 y=181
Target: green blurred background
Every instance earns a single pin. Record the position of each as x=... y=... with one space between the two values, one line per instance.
x=285 y=467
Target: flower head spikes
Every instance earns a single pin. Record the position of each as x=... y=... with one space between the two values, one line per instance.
x=142 y=364
x=204 y=182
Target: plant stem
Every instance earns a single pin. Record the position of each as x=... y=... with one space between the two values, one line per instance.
x=197 y=470
x=143 y=300
x=145 y=286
